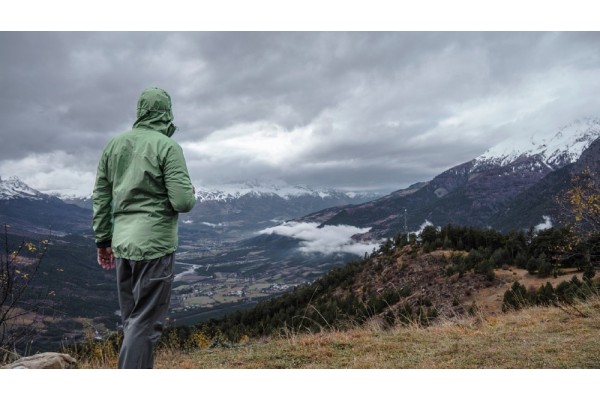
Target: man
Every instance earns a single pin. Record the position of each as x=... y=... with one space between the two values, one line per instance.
x=142 y=183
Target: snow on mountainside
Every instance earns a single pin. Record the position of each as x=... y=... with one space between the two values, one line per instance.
x=228 y=192
x=14 y=188
x=70 y=198
x=483 y=191
x=555 y=150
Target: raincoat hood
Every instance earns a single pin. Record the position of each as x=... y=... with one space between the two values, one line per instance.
x=154 y=111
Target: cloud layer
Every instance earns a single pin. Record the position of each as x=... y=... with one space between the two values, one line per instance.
x=547 y=224
x=329 y=239
x=352 y=110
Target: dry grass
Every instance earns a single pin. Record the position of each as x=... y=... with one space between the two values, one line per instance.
x=533 y=338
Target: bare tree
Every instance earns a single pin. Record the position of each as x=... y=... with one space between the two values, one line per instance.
x=580 y=207
x=18 y=268
x=584 y=201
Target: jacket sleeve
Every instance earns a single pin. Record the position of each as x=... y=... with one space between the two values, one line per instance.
x=102 y=205
x=177 y=180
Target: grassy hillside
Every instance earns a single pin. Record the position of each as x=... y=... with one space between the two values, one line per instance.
x=537 y=337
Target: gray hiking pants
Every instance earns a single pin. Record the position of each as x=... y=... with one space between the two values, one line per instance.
x=144 y=296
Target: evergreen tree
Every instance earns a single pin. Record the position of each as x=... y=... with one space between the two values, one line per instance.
x=521 y=260
x=545 y=294
x=515 y=298
x=429 y=234
x=545 y=268
x=588 y=274
x=532 y=265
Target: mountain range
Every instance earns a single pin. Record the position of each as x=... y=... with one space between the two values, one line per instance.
x=238 y=210
x=258 y=240
x=29 y=211
x=510 y=186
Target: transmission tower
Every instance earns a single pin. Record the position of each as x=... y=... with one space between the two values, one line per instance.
x=406 y=227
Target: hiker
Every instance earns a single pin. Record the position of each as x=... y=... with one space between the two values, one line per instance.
x=142 y=183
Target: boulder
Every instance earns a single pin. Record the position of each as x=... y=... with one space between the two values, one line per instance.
x=44 y=361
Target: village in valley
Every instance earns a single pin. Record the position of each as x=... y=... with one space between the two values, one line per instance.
x=205 y=292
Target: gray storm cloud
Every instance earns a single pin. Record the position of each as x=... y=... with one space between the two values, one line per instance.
x=371 y=110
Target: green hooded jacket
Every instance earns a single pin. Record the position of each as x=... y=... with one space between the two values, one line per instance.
x=142 y=184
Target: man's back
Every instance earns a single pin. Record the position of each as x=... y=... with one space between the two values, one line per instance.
x=143 y=183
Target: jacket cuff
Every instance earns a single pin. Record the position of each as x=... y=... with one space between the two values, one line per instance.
x=102 y=245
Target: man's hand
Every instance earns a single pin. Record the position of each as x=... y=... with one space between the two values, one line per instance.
x=106 y=259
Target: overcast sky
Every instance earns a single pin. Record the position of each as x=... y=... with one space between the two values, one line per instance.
x=354 y=110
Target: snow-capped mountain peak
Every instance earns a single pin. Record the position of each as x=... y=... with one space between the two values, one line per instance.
x=70 y=198
x=233 y=191
x=14 y=188
x=554 y=150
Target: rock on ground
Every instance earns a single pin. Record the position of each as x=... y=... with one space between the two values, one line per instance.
x=43 y=361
